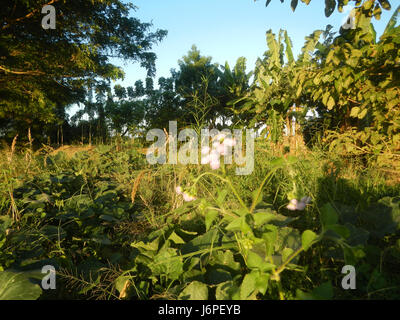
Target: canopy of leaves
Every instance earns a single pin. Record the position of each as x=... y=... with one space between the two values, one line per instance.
x=42 y=70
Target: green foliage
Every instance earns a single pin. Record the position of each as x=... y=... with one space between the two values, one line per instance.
x=45 y=70
x=237 y=241
x=17 y=286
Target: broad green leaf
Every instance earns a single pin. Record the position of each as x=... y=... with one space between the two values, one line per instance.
x=255 y=261
x=194 y=291
x=307 y=239
x=204 y=241
x=227 y=291
x=249 y=285
x=286 y=253
x=328 y=215
x=239 y=224
x=175 y=238
x=261 y=218
x=17 y=286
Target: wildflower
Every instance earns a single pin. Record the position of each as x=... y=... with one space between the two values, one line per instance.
x=221 y=149
x=205 y=159
x=294 y=204
x=187 y=197
x=229 y=142
x=214 y=159
x=178 y=190
x=205 y=150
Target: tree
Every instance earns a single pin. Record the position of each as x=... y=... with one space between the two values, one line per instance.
x=373 y=7
x=197 y=76
x=41 y=70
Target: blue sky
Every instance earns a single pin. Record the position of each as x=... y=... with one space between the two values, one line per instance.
x=227 y=29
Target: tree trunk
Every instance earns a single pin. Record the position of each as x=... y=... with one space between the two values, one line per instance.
x=62 y=136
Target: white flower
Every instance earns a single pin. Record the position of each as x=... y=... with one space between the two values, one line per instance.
x=214 y=165
x=178 y=190
x=221 y=149
x=229 y=142
x=205 y=150
x=187 y=197
x=294 y=204
x=301 y=206
x=205 y=159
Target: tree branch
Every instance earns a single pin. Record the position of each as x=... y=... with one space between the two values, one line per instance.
x=25 y=17
x=33 y=73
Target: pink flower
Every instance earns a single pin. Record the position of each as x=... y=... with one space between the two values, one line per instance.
x=178 y=190
x=205 y=150
x=294 y=204
x=187 y=197
x=221 y=149
x=229 y=142
x=301 y=206
x=205 y=159
x=214 y=165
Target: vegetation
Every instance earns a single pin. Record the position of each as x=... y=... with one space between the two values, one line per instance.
x=116 y=227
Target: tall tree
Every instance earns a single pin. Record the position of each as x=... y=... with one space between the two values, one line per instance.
x=41 y=69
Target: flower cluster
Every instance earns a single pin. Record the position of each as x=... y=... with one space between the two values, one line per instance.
x=220 y=147
x=186 y=197
x=298 y=205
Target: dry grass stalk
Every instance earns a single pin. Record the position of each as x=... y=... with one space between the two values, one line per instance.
x=136 y=185
x=14 y=142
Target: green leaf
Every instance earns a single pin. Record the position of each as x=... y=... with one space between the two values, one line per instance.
x=239 y=224
x=363 y=114
x=328 y=215
x=210 y=217
x=204 y=241
x=354 y=112
x=175 y=238
x=385 y=4
x=294 y=4
x=262 y=282
x=286 y=253
x=17 y=286
x=323 y=292
x=331 y=103
x=255 y=261
x=227 y=291
x=249 y=285
x=340 y=230
x=261 y=218
x=194 y=291
x=393 y=21
x=329 y=7
x=307 y=239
